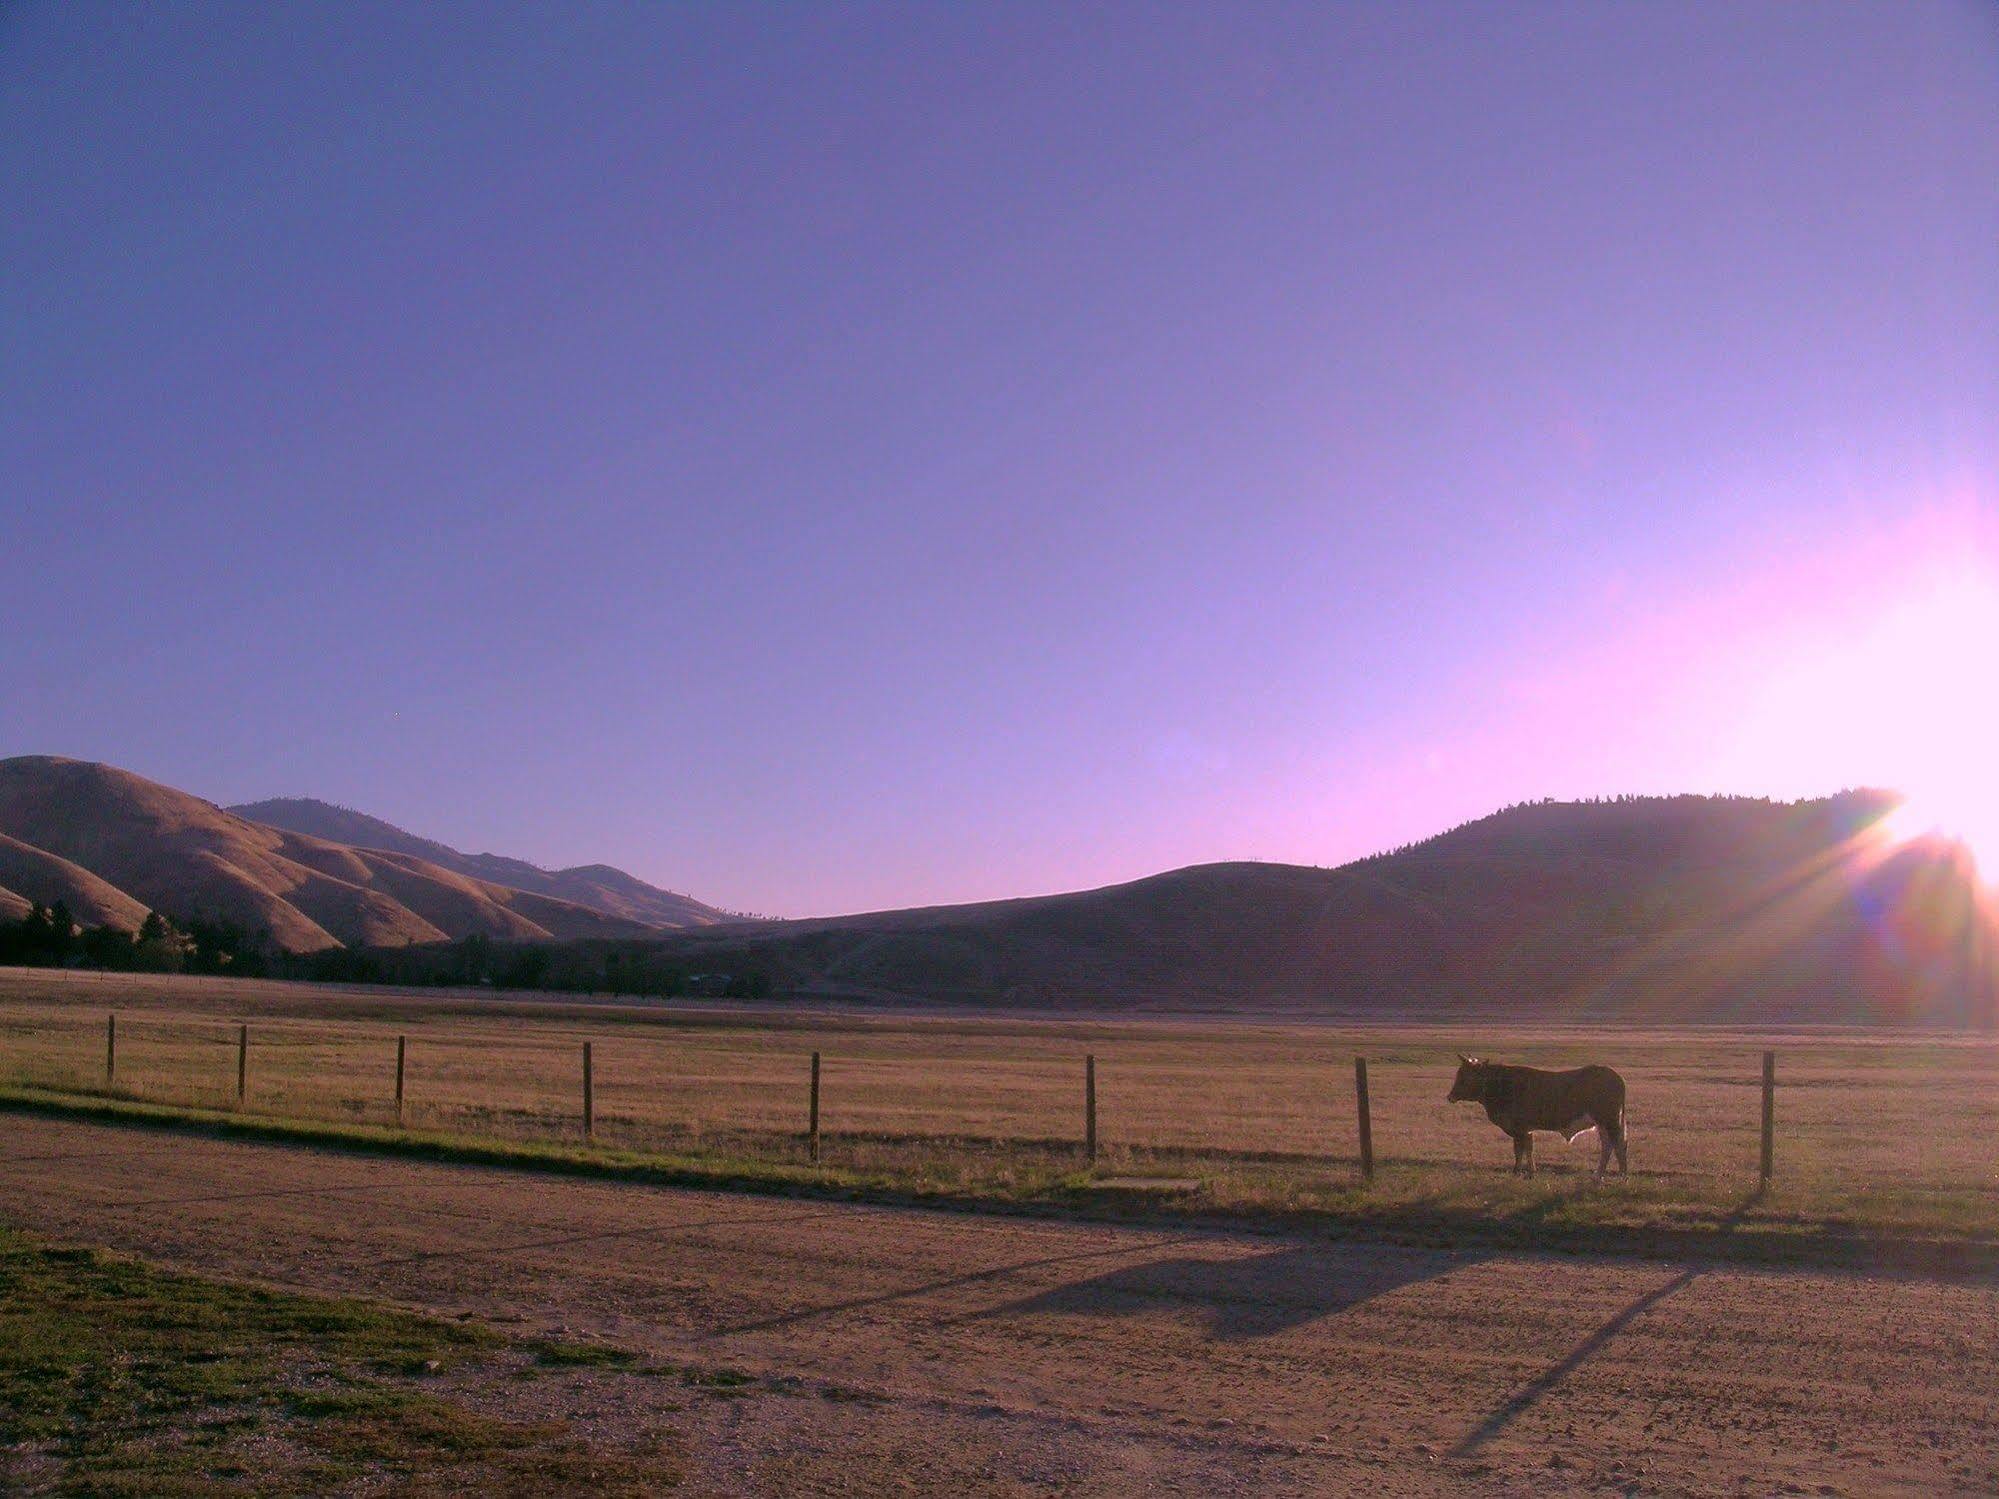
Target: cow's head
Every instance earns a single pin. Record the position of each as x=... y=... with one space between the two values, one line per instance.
x=1469 y=1086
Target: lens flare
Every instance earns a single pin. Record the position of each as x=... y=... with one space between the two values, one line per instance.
x=1970 y=823
x=1905 y=699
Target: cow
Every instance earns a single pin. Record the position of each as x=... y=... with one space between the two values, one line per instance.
x=1521 y=1100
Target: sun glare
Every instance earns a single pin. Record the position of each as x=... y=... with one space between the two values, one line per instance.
x=1975 y=827
x=1903 y=698
x=1930 y=719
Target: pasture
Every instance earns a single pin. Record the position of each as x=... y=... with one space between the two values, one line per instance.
x=1877 y=1132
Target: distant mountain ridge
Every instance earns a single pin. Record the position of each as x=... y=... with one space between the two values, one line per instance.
x=596 y=886
x=1734 y=909
x=113 y=845
x=1683 y=908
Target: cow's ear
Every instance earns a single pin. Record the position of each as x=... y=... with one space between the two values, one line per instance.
x=1465 y=1059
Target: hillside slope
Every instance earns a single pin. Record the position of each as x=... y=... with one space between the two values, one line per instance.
x=1681 y=907
x=597 y=886
x=91 y=901
x=155 y=848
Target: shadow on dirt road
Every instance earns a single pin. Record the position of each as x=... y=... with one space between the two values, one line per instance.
x=1544 y=1383
x=1240 y=1297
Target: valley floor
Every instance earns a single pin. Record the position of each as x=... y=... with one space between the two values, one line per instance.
x=858 y=1349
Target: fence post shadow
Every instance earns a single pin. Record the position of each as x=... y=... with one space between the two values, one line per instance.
x=1544 y=1383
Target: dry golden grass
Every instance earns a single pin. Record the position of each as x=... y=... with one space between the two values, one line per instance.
x=1877 y=1131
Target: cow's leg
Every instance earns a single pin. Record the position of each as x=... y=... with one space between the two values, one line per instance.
x=1623 y=1166
x=1604 y=1135
x=1516 y=1155
x=1523 y=1152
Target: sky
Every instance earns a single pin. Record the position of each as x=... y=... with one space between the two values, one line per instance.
x=832 y=457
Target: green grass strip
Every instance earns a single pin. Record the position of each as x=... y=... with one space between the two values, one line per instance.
x=118 y=1378
x=1605 y=1221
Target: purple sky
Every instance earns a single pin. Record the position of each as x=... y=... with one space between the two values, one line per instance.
x=829 y=457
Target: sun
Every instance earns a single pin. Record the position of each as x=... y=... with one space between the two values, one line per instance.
x=1969 y=820
x=1929 y=714
x=1904 y=696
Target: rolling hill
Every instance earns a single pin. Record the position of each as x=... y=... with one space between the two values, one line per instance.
x=115 y=845
x=1680 y=907
x=91 y=901
x=1717 y=908
x=597 y=886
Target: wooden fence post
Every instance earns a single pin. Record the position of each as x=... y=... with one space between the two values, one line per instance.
x=402 y=1051
x=1366 y=1121
x=242 y=1064
x=812 y=1123
x=1769 y=1115
x=1090 y=1108
x=110 y=1048
x=589 y=1097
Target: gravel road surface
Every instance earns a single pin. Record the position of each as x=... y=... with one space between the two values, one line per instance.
x=908 y=1351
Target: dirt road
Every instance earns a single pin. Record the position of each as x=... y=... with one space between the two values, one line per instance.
x=904 y=1351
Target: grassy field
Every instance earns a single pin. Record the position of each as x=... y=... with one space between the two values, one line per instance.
x=117 y=1378
x=1877 y=1132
